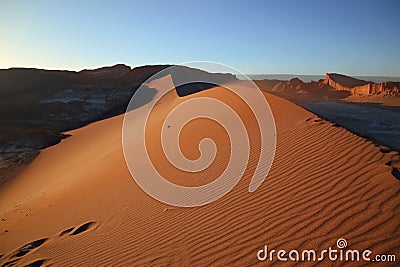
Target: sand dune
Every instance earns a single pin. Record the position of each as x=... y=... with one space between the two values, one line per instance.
x=79 y=205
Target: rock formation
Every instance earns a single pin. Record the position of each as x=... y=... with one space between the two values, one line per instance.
x=333 y=86
x=361 y=87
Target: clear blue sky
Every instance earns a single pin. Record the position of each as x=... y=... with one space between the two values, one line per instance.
x=354 y=37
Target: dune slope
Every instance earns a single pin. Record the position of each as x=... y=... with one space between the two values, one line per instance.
x=79 y=205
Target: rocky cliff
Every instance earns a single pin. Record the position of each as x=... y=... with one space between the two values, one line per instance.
x=299 y=91
x=333 y=86
x=361 y=87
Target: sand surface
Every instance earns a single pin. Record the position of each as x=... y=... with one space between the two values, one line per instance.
x=79 y=202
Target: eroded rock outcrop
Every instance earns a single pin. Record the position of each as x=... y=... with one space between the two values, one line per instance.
x=296 y=85
x=299 y=91
x=360 y=87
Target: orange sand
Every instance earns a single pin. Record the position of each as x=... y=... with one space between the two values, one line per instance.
x=325 y=184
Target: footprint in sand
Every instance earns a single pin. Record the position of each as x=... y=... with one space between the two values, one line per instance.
x=82 y=228
x=66 y=231
x=22 y=251
x=36 y=263
x=79 y=229
x=29 y=247
x=15 y=257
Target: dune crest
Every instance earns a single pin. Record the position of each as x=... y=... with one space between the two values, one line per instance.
x=76 y=204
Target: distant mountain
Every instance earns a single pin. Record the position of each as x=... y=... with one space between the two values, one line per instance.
x=360 y=87
x=334 y=86
x=309 y=78
x=286 y=77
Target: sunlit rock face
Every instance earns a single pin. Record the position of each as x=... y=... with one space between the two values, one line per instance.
x=360 y=87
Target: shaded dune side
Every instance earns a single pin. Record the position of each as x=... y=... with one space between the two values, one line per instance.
x=325 y=183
